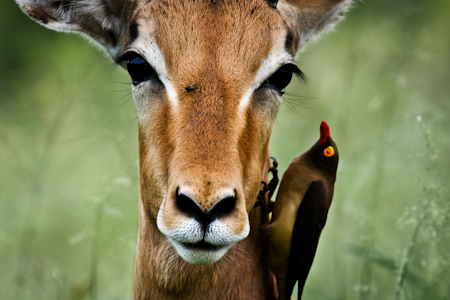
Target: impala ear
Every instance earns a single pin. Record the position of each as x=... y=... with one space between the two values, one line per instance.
x=308 y=19
x=105 y=21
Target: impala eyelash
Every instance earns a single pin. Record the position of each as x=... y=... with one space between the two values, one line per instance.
x=124 y=57
x=299 y=73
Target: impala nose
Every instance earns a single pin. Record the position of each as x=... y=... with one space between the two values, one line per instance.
x=190 y=208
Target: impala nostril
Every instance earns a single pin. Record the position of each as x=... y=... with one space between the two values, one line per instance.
x=223 y=207
x=188 y=206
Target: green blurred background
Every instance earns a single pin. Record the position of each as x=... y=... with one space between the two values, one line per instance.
x=68 y=158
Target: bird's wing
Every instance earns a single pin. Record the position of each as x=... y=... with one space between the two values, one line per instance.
x=311 y=218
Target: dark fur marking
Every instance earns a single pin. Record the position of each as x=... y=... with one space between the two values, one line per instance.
x=113 y=37
x=38 y=13
x=133 y=30
x=190 y=88
x=273 y=3
x=289 y=40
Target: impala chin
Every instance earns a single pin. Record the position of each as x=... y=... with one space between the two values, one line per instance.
x=198 y=245
x=200 y=253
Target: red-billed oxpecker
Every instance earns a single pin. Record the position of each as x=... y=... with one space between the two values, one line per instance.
x=300 y=211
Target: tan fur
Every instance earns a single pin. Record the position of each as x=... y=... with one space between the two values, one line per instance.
x=211 y=144
x=205 y=140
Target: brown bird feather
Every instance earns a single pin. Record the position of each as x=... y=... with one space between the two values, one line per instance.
x=300 y=212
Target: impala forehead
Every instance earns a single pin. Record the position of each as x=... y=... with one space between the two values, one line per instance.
x=242 y=43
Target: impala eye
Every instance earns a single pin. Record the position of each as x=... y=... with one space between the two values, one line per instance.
x=282 y=77
x=139 y=69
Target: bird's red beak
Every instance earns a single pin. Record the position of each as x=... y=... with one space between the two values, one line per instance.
x=324 y=132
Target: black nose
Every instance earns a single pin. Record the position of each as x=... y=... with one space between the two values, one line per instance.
x=190 y=208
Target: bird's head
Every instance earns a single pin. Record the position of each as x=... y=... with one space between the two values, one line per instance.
x=324 y=154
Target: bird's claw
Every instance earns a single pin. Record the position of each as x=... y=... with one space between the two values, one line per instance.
x=273 y=183
x=275 y=180
x=262 y=194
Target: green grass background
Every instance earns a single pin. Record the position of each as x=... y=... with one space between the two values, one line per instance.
x=68 y=158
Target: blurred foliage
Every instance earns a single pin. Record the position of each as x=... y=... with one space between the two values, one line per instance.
x=68 y=158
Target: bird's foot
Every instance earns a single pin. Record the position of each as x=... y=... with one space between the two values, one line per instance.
x=262 y=195
x=266 y=208
x=262 y=201
x=273 y=183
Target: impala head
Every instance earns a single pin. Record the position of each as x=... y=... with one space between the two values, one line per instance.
x=207 y=79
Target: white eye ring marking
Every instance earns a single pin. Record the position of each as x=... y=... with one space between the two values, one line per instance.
x=273 y=62
x=153 y=55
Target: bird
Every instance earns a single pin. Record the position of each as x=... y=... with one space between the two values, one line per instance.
x=300 y=212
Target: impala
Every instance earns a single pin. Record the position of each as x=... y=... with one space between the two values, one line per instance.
x=207 y=79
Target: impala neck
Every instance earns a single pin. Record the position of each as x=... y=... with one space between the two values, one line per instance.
x=243 y=273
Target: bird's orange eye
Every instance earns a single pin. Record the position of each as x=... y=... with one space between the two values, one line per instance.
x=329 y=151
